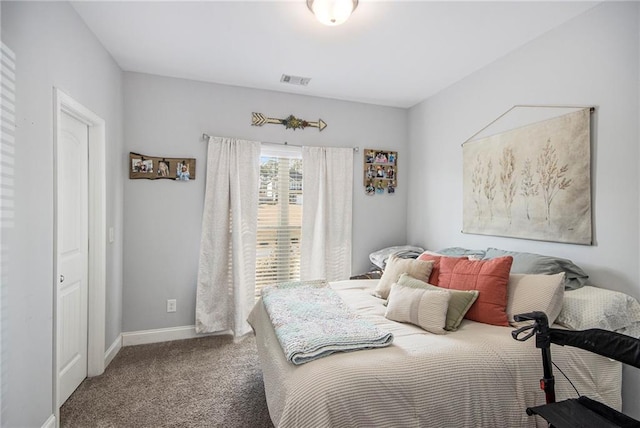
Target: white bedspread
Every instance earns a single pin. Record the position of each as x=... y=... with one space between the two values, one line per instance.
x=477 y=376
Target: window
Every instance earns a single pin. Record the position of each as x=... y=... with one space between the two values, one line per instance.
x=279 y=216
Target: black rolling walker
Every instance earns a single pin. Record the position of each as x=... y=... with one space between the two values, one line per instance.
x=582 y=411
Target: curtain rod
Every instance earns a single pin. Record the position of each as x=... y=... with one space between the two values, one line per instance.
x=206 y=136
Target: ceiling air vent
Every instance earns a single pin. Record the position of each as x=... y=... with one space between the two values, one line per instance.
x=295 y=80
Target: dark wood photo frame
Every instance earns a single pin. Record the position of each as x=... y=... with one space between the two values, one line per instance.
x=155 y=167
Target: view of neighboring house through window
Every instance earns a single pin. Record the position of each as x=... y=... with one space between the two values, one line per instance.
x=279 y=216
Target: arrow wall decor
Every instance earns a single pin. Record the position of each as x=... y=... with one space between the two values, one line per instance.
x=291 y=122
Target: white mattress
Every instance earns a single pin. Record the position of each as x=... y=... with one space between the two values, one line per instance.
x=477 y=376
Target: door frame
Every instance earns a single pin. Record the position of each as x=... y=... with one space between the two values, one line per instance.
x=96 y=304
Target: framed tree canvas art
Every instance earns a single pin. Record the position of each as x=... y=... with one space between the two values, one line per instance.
x=532 y=182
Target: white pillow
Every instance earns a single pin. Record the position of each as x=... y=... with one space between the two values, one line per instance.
x=633 y=330
x=419 y=269
x=593 y=307
x=528 y=293
x=425 y=308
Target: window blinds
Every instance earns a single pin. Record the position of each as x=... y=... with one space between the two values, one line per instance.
x=279 y=216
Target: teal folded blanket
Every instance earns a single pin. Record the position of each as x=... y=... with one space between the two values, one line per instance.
x=312 y=321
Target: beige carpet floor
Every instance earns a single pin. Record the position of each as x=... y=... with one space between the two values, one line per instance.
x=204 y=382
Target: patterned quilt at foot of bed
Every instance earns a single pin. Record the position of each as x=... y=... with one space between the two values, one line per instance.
x=312 y=321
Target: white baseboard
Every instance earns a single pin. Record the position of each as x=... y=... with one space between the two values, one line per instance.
x=50 y=422
x=113 y=350
x=142 y=337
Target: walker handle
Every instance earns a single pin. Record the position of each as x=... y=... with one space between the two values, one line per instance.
x=540 y=323
x=537 y=316
x=516 y=333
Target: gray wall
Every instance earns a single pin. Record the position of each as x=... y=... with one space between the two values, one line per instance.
x=592 y=60
x=53 y=47
x=166 y=117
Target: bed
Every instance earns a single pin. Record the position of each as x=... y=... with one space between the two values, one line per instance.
x=477 y=376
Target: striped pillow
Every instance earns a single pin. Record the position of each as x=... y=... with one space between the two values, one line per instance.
x=459 y=301
x=425 y=308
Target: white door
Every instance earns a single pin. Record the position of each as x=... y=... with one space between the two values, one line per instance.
x=72 y=254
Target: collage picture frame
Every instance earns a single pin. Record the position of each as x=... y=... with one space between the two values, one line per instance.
x=154 y=167
x=380 y=171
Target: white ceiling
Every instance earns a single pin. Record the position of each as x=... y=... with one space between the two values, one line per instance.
x=394 y=53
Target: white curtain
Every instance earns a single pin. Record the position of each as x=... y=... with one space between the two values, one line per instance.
x=226 y=273
x=327 y=188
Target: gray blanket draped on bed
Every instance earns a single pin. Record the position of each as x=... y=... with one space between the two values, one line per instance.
x=312 y=321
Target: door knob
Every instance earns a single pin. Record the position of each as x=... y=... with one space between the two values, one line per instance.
x=61 y=279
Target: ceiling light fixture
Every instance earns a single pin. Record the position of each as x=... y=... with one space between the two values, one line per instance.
x=332 y=12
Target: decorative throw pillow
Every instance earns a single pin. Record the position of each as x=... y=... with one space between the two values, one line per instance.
x=380 y=257
x=528 y=293
x=459 y=301
x=489 y=277
x=532 y=263
x=425 y=308
x=592 y=307
x=460 y=252
x=435 y=271
x=396 y=266
x=632 y=330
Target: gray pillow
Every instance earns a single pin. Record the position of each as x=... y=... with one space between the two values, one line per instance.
x=380 y=257
x=461 y=252
x=532 y=263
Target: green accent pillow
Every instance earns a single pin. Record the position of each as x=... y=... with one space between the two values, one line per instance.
x=459 y=302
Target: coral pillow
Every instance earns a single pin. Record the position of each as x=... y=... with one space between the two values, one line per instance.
x=435 y=271
x=489 y=277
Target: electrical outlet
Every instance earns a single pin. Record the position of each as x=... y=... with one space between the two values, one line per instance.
x=171 y=305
